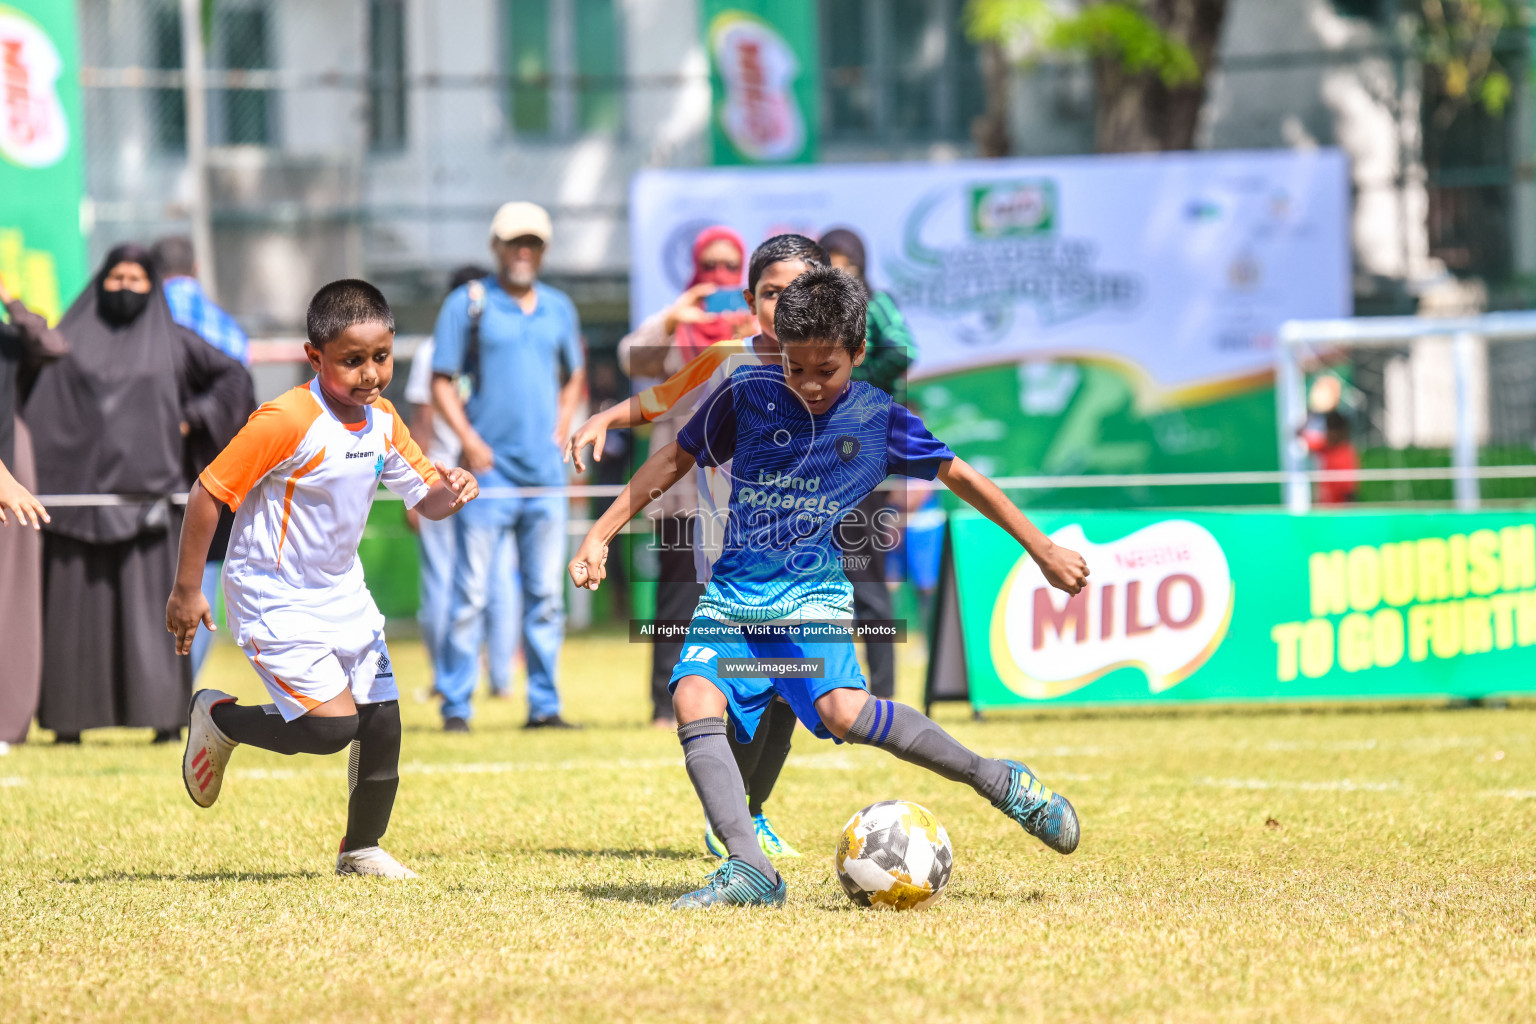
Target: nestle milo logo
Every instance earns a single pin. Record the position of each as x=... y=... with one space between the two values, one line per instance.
x=1159 y=600
x=757 y=68
x=1015 y=209
x=976 y=254
x=33 y=130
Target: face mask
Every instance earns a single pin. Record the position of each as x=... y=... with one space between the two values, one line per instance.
x=122 y=306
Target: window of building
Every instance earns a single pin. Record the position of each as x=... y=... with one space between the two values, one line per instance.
x=848 y=84
x=242 y=117
x=597 y=52
x=1372 y=10
x=386 y=74
x=236 y=116
x=564 y=74
x=897 y=70
x=168 y=107
x=528 y=64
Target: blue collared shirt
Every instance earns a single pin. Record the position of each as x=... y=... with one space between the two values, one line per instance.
x=193 y=309
x=516 y=399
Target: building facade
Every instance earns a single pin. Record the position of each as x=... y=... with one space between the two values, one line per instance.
x=376 y=137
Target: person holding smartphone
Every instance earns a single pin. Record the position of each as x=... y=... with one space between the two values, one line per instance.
x=713 y=308
x=710 y=309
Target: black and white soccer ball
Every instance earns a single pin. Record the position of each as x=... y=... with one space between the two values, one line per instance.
x=894 y=855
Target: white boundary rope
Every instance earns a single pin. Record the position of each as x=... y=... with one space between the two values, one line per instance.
x=1020 y=483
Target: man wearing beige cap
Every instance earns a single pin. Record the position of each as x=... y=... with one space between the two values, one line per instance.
x=502 y=352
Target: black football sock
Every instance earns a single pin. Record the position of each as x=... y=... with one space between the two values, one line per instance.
x=715 y=779
x=247 y=723
x=776 y=732
x=374 y=773
x=913 y=737
x=748 y=754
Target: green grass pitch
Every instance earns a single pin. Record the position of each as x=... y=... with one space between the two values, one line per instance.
x=1234 y=867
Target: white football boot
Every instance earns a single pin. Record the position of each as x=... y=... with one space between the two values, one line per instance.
x=373 y=861
x=208 y=749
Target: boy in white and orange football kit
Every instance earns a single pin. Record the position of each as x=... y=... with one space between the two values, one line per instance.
x=301 y=477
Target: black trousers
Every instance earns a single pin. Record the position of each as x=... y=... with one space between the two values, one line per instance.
x=677 y=595
x=864 y=547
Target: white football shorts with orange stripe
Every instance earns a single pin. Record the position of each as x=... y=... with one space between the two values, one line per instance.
x=303 y=674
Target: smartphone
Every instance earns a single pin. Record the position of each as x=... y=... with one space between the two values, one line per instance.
x=725 y=300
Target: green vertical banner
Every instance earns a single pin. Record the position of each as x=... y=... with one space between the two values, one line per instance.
x=42 y=252
x=765 y=80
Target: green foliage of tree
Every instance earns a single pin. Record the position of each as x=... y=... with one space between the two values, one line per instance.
x=1149 y=58
x=1114 y=29
x=1459 y=40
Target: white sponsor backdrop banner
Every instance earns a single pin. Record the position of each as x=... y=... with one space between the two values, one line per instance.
x=1182 y=265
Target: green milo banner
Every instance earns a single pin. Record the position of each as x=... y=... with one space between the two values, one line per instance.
x=1070 y=416
x=1240 y=607
x=764 y=80
x=42 y=252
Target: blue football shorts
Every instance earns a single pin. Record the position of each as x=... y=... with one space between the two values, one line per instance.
x=749 y=696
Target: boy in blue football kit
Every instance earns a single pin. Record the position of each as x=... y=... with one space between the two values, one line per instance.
x=805 y=444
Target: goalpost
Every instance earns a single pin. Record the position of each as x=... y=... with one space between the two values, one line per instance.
x=1476 y=378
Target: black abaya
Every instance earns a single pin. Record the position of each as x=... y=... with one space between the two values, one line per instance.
x=109 y=419
x=107 y=657
x=27 y=344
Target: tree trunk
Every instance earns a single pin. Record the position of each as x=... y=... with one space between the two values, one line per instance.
x=990 y=128
x=1137 y=113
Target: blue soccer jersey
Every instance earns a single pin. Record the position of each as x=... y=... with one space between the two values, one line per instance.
x=793 y=475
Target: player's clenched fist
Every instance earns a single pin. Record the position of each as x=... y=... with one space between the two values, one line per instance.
x=1064 y=568
x=590 y=566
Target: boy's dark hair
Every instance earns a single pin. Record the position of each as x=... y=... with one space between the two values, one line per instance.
x=783 y=249
x=341 y=304
x=821 y=304
x=847 y=242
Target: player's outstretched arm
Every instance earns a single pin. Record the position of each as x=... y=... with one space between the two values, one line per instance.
x=456 y=489
x=658 y=473
x=1064 y=568
x=187 y=607
x=594 y=431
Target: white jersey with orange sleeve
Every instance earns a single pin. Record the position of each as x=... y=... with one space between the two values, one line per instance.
x=301 y=483
x=673 y=402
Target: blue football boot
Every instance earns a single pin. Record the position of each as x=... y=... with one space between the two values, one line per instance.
x=735 y=884
x=1044 y=814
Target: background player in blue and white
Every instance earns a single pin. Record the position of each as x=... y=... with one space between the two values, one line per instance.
x=806 y=443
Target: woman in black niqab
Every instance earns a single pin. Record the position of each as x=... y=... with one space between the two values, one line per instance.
x=118 y=416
